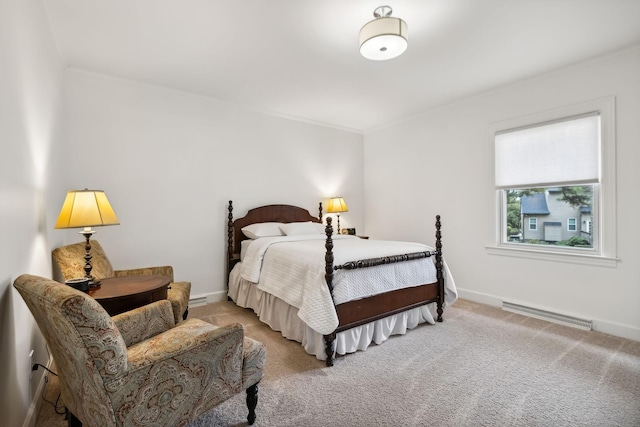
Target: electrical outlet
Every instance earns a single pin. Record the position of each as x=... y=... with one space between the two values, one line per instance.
x=31 y=363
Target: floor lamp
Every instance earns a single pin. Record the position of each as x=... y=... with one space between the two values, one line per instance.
x=337 y=205
x=85 y=209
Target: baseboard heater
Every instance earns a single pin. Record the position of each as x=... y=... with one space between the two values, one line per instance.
x=197 y=301
x=562 y=319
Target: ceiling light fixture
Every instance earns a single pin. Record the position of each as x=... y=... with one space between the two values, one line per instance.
x=384 y=37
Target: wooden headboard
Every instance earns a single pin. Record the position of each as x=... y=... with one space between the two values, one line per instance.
x=269 y=213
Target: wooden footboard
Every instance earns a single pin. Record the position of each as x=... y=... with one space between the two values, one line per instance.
x=359 y=312
x=363 y=311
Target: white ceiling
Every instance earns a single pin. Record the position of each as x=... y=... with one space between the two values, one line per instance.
x=299 y=58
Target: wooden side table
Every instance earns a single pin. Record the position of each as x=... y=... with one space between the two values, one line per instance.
x=120 y=294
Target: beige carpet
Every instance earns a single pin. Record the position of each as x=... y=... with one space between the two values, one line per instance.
x=481 y=367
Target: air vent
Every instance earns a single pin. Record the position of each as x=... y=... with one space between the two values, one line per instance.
x=197 y=302
x=562 y=319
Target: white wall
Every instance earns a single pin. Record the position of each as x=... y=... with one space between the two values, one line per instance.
x=30 y=85
x=170 y=161
x=442 y=161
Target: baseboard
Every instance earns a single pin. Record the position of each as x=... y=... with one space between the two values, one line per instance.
x=617 y=329
x=599 y=325
x=480 y=297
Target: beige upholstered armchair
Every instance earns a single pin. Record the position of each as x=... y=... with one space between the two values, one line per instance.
x=138 y=368
x=69 y=261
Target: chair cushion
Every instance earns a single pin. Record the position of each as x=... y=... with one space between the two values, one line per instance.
x=145 y=322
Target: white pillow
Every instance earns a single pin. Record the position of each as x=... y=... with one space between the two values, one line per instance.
x=262 y=229
x=300 y=228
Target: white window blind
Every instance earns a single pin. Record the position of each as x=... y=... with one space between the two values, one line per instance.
x=551 y=153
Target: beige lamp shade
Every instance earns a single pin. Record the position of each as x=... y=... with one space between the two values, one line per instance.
x=86 y=208
x=337 y=205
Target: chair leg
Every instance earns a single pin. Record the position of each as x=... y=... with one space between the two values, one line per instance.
x=72 y=421
x=252 y=402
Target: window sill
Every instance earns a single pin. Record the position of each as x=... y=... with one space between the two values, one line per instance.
x=557 y=256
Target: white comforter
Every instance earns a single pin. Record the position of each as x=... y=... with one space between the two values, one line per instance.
x=292 y=269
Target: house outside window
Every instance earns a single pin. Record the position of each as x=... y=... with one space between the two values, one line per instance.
x=556 y=208
x=555 y=184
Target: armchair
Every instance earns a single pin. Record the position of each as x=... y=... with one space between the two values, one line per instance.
x=69 y=261
x=137 y=368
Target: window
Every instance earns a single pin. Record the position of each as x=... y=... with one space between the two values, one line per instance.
x=552 y=169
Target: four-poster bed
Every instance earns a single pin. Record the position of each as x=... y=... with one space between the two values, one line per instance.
x=355 y=309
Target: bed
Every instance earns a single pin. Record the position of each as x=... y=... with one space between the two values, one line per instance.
x=335 y=294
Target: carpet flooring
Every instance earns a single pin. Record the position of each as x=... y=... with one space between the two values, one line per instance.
x=481 y=367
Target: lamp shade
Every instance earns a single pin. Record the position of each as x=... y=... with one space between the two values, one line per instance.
x=384 y=37
x=337 y=205
x=86 y=208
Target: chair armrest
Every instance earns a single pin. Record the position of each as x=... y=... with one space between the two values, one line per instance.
x=145 y=322
x=165 y=270
x=205 y=356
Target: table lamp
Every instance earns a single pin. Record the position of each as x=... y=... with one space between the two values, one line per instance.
x=337 y=205
x=86 y=209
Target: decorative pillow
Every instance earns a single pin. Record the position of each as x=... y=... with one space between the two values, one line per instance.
x=299 y=228
x=262 y=229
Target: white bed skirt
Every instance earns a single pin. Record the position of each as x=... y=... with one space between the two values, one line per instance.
x=283 y=317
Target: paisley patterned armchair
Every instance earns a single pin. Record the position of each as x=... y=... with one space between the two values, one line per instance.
x=138 y=368
x=69 y=261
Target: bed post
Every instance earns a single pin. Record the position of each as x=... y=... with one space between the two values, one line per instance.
x=229 y=240
x=320 y=211
x=329 y=340
x=439 y=274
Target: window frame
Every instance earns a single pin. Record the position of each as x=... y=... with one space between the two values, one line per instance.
x=533 y=221
x=604 y=195
x=575 y=224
